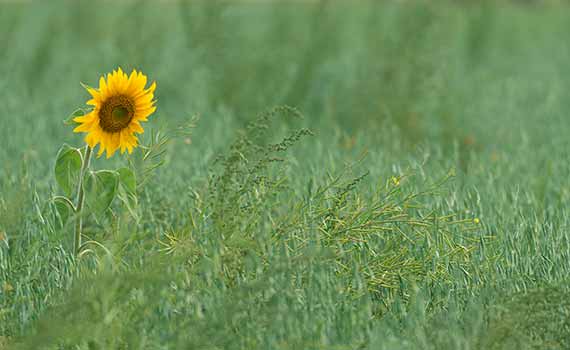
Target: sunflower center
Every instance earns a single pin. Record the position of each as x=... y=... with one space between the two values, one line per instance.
x=116 y=113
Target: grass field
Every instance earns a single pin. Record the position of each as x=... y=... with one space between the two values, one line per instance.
x=357 y=175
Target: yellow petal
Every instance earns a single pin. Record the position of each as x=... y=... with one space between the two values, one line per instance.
x=103 y=88
x=142 y=93
x=84 y=118
x=96 y=94
x=141 y=81
x=143 y=100
x=121 y=81
x=113 y=144
x=123 y=140
x=135 y=126
x=143 y=114
x=104 y=143
x=133 y=143
x=145 y=109
x=152 y=87
x=85 y=127
x=131 y=83
x=91 y=139
x=101 y=149
x=111 y=83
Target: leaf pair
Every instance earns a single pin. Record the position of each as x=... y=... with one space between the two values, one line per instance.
x=101 y=187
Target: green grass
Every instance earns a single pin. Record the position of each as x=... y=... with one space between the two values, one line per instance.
x=346 y=221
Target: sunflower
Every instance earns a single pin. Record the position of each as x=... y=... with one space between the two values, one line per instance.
x=119 y=106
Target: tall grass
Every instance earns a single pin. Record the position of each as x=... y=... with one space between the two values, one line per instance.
x=414 y=198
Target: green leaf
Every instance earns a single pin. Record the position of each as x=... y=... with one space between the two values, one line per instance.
x=100 y=189
x=64 y=207
x=128 y=190
x=68 y=168
x=128 y=179
x=77 y=113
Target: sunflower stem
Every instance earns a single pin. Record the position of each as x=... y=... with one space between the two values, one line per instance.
x=80 y=201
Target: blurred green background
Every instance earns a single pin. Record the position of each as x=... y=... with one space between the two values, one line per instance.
x=388 y=88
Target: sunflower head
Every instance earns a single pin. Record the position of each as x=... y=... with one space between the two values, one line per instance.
x=119 y=106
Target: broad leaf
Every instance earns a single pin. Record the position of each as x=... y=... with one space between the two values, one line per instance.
x=68 y=168
x=100 y=189
x=128 y=190
x=128 y=179
x=64 y=207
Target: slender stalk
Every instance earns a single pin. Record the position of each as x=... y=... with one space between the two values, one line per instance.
x=80 y=200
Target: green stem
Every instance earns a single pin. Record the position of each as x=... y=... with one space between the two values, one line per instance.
x=80 y=200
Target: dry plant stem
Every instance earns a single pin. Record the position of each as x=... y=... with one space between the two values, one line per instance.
x=80 y=200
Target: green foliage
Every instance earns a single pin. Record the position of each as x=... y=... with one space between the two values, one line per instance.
x=64 y=208
x=68 y=168
x=256 y=233
x=128 y=189
x=534 y=319
x=101 y=188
